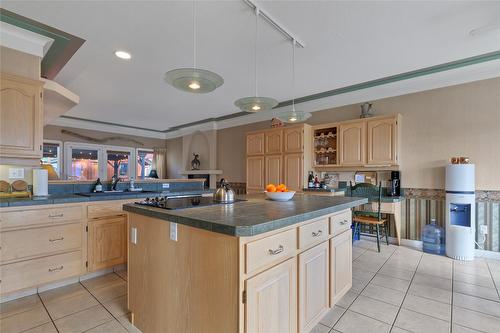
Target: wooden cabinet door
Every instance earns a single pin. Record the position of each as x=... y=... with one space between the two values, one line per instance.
x=274 y=169
x=340 y=266
x=274 y=142
x=20 y=117
x=382 y=141
x=107 y=242
x=255 y=144
x=293 y=171
x=294 y=140
x=352 y=139
x=313 y=286
x=255 y=173
x=271 y=305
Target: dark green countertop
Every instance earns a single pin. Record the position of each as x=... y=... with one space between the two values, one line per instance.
x=324 y=190
x=385 y=198
x=254 y=216
x=61 y=198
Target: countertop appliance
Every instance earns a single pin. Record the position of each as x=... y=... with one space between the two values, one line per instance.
x=460 y=211
x=181 y=202
x=395 y=184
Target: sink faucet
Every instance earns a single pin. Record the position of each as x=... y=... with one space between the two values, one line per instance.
x=114 y=181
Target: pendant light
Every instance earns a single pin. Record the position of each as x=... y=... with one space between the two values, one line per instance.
x=256 y=103
x=195 y=80
x=293 y=116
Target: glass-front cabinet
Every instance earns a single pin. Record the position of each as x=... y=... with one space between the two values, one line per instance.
x=325 y=145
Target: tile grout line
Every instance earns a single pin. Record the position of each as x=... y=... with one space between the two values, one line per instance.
x=98 y=301
x=348 y=308
x=491 y=276
x=407 y=290
x=48 y=313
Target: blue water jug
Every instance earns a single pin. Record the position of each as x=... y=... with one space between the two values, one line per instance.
x=433 y=238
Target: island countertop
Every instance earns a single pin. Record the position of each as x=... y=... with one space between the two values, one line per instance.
x=252 y=217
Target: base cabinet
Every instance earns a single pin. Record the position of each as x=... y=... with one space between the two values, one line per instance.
x=313 y=286
x=272 y=299
x=340 y=266
x=107 y=242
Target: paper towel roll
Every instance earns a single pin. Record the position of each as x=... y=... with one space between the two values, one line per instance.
x=40 y=182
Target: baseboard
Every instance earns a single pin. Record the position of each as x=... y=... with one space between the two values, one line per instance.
x=59 y=284
x=416 y=244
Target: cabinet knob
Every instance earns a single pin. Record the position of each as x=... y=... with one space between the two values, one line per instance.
x=277 y=251
x=56 y=239
x=343 y=222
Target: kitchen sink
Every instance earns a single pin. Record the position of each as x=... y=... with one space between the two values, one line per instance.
x=118 y=192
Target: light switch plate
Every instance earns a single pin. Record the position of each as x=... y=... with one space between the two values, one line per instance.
x=173 y=231
x=16 y=173
x=165 y=185
x=133 y=235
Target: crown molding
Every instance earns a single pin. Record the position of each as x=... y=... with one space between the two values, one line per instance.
x=451 y=77
x=23 y=40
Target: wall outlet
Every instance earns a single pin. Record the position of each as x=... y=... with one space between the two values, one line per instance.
x=173 y=231
x=16 y=173
x=165 y=185
x=133 y=235
x=483 y=229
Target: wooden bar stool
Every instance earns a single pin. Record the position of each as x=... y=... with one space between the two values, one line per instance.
x=370 y=218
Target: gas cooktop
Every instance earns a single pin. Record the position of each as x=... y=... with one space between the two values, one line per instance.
x=174 y=203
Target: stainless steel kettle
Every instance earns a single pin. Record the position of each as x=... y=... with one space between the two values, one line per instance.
x=224 y=193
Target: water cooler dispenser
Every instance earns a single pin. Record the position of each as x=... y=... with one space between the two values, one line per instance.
x=460 y=211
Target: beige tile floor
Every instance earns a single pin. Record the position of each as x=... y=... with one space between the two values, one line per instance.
x=398 y=290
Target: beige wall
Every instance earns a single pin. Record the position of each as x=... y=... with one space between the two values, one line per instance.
x=51 y=132
x=462 y=120
x=174 y=158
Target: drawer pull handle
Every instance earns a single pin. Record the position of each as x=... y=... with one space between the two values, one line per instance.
x=343 y=222
x=56 y=239
x=57 y=269
x=56 y=215
x=318 y=233
x=277 y=251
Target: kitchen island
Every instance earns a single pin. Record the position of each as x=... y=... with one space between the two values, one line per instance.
x=252 y=266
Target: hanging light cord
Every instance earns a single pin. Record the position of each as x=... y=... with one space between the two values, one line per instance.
x=293 y=75
x=194 y=34
x=255 y=54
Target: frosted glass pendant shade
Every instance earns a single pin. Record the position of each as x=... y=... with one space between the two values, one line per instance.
x=256 y=104
x=293 y=116
x=194 y=80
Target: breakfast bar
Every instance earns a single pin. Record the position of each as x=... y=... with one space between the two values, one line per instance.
x=251 y=266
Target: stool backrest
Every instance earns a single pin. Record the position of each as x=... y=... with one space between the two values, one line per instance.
x=367 y=190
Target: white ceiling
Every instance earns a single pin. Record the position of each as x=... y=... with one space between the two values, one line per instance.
x=347 y=42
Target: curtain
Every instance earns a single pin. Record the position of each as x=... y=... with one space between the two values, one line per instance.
x=160 y=161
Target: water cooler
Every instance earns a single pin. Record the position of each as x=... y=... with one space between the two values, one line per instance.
x=460 y=211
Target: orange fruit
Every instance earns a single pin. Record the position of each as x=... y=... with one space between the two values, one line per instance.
x=281 y=188
x=271 y=188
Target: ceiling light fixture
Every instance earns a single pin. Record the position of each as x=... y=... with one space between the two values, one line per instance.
x=194 y=79
x=256 y=103
x=293 y=116
x=123 y=55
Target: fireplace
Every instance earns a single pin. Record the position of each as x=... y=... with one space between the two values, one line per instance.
x=206 y=184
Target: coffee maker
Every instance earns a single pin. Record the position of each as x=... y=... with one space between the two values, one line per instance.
x=395 y=184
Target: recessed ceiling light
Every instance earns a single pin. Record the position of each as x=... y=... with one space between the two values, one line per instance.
x=123 y=55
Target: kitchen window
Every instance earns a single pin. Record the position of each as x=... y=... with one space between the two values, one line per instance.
x=118 y=163
x=83 y=163
x=52 y=155
x=144 y=162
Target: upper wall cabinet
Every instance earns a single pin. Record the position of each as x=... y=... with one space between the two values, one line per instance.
x=21 y=114
x=382 y=141
x=352 y=138
x=274 y=142
x=293 y=140
x=255 y=144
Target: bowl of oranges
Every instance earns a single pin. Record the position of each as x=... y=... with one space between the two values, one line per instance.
x=279 y=192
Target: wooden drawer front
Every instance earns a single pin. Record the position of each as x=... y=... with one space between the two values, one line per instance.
x=37 y=216
x=105 y=209
x=313 y=233
x=340 y=222
x=31 y=273
x=272 y=249
x=40 y=241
